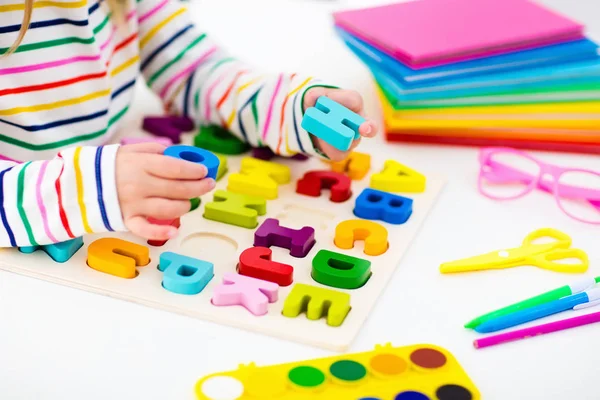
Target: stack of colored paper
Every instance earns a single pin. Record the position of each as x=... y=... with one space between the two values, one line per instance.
x=480 y=72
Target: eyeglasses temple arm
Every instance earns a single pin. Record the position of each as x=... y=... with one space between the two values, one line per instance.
x=501 y=172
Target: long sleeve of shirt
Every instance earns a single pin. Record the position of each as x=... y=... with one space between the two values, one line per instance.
x=66 y=89
x=196 y=77
x=52 y=201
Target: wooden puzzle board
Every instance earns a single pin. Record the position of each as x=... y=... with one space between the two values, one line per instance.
x=222 y=244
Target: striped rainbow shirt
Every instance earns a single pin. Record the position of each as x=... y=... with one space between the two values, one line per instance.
x=65 y=90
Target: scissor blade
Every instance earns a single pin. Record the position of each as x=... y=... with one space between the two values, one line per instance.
x=493 y=260
x=497 y=259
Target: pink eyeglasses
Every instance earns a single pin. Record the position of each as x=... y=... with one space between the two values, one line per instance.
x=507 y=174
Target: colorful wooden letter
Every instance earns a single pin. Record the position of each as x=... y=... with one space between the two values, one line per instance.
x=332 y=122
x=278 y=172
x=387 y=207
x=265 y=153
x=196 y=155
x=256 y=262
x=396 y=177
x=339 y=270
x=217 y=139
x=173 y=222
x=170 y=127
x=299 y=242
x=184 y=275
x=59 y=252
x=117 y=257
x=312 y=182
x=235 y=209
x=356 y=166
x=259 y=178
x=374 y=235
x=195 y=203
x=253 y=294
x=222 y=166
x=317 y=302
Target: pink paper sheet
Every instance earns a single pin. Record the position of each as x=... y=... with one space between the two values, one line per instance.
x=425 y=33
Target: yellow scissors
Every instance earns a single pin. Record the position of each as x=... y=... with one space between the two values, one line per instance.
x=545 y=256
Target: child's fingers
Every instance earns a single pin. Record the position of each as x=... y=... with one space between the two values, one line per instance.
x=310 y=99
x=178 y=189
x=164 y=209
x=174 y=168
x=149 y=147
x=335 y=154
x=348 y=98
x=354 y=145
x=368 y=129
x=140 y=226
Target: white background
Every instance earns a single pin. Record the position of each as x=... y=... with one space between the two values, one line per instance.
x=60 y=343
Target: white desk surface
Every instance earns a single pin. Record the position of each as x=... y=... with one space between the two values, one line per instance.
x=59 y=343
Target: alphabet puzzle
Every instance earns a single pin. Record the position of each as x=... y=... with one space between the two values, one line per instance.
x=295 y=249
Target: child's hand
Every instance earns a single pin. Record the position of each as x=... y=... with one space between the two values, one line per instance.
x=347 y=98
x=150 y=184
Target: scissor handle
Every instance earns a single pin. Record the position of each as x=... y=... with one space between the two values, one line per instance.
x=547 y=260
x=562 y=240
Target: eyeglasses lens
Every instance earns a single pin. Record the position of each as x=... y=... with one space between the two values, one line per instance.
x=508 y=175
x=579 y=195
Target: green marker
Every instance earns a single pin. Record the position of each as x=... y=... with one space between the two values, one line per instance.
x=543 y=298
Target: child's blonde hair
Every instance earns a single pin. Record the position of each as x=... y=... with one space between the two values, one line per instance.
x=116 y=7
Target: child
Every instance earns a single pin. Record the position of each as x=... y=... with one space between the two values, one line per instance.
x=67 y=75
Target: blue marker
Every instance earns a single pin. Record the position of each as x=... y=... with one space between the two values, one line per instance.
x=585 y=299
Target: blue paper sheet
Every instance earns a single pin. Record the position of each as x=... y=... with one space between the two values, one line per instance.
x=585 y=72
x=554 y=55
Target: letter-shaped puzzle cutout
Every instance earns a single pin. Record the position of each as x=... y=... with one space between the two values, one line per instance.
x=173 y=222
x=317 y=302
x=333 y=123
x=259 y=178
x=312 y=182
x=196 y=155
x=299 y=242
x=387 y=207
x=59 y=252
x=220 y=140
x=356 y=166
x=339 y=270
x=171 y=127
x=256 y=262
x=117 y=257
x=374 y=235
x=396 y=177
x=253 y=294
x=165 y=141
x=184 y=275
x=235 y=209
